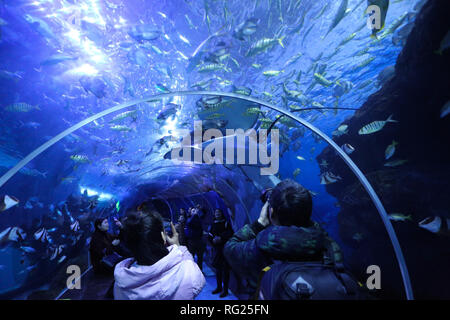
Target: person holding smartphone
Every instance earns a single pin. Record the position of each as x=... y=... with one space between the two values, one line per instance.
x=160 y=269
x=103 y=245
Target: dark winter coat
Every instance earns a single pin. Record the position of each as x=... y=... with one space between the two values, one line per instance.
x=254 y=247
x=194 y=229
x=223 y=230
x=100 y=247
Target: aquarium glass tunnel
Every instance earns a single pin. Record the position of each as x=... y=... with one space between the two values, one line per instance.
x=112 y=106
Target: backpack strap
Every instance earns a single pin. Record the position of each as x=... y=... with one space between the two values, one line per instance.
x=333 y=256
x=258 y=286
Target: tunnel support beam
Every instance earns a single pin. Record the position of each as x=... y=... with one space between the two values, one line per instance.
x=361 y=177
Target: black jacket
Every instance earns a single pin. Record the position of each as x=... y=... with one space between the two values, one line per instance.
x=100 y=247
x=223 y=230
x=194 y=229
x=254 y=247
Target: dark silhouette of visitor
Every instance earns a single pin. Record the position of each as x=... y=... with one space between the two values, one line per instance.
x=194 y=236
x=219 y=233
x=180 y=227
x=104 y=248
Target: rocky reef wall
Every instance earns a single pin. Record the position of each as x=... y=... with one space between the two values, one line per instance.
x=419 y=187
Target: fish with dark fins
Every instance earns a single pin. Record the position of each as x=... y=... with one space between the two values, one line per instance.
x=329 y=178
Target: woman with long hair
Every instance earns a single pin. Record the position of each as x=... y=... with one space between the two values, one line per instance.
x=161 y=269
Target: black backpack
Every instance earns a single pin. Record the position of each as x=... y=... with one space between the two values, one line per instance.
x=308 y=281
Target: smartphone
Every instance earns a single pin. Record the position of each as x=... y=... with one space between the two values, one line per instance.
x=168 y=228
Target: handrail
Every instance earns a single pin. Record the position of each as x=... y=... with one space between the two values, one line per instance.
x=361 y=177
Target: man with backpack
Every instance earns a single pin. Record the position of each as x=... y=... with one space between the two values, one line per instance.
x=284 y=255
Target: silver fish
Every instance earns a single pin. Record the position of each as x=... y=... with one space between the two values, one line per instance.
x=375 y=126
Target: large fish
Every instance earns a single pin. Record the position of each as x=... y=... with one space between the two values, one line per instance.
x=33 y=172
x=340 y=14
x=40 y=26
x=375 y=126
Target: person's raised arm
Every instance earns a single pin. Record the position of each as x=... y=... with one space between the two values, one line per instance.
x=241 y=250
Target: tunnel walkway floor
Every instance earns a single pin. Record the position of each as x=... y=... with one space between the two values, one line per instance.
x=210 y=285
x=96 y=288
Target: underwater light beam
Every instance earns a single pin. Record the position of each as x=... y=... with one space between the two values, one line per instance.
x=361 y=177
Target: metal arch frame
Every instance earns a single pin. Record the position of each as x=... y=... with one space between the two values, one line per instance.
x=168 y=204
x=237 y=196
x=363 y=180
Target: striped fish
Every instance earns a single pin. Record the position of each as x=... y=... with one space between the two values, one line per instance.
x=124 y=115
x=75 y=227
x=375 y=126
x=41 y=235
x=21 y=107
x=80 y=158
x=120 y=128
x=12 y=234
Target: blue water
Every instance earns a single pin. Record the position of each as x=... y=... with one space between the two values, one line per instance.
x=94 y=41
